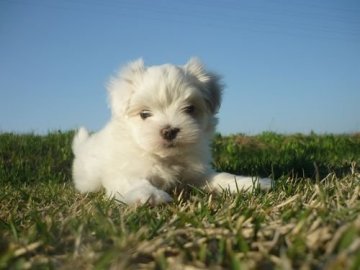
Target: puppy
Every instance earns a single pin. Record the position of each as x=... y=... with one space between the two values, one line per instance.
x=163 y=120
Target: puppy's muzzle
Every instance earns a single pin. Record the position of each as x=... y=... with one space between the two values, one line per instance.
x=169 y=133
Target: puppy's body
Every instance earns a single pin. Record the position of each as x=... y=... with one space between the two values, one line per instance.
x=163 y=119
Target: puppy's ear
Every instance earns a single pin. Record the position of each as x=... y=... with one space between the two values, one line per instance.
x=209 y=83
x=122 y=86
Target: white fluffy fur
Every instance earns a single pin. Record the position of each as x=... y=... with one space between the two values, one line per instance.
x=132 y=160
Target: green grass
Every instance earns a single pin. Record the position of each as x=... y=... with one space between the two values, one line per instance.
x=306 y=222
x=278 y=155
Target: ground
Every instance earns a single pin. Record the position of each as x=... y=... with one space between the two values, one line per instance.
x=302 y=223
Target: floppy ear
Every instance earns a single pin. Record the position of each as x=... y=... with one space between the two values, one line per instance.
x=123 y=85
x=209 y=83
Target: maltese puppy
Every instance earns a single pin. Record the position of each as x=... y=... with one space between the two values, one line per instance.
x=163 y=120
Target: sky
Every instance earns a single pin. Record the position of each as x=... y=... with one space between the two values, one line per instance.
x=288 y=66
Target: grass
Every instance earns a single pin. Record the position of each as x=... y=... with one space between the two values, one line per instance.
x=303 y=223
x=310 y=155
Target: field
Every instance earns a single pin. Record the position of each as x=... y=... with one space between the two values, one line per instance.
x=309 y=220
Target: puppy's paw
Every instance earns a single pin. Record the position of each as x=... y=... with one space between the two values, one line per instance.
x=159 y=197
x=265 y=183
x=234 y=183
x=146 y=194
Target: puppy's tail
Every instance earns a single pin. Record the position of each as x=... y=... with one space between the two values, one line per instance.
x=80 y=137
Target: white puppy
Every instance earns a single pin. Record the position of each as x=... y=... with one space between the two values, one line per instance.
x=163 y=120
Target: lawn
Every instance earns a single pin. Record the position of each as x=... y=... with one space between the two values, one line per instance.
x=309 y=220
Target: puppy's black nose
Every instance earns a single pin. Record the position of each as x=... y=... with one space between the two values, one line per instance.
x=169 y=133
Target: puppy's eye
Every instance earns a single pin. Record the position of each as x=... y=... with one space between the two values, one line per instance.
x=189 y=109
x=145 y=114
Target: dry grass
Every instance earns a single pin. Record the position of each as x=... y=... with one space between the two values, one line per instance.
x=299 y=224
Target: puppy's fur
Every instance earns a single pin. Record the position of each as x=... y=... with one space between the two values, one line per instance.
x=163 y=119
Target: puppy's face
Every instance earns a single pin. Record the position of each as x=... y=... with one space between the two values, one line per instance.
x=168 y=108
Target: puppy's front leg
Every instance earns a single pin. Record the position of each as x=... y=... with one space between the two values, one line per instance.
x=144 y=192
x=234 y=183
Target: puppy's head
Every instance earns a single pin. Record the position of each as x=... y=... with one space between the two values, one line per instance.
x=167 y=108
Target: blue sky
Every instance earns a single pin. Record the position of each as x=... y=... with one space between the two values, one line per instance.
x=288 y=66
